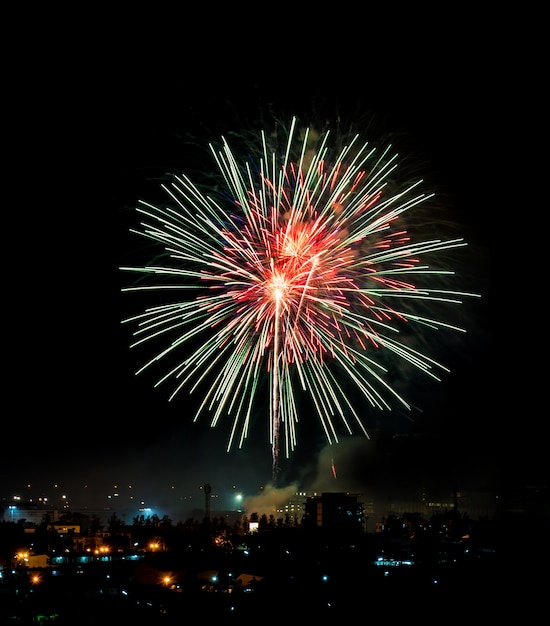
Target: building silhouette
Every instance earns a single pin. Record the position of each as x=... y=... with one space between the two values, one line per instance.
x=334 y=512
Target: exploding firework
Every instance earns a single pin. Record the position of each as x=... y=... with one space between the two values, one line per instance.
x=298 y=274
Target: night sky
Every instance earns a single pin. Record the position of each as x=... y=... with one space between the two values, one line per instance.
x=93 y=140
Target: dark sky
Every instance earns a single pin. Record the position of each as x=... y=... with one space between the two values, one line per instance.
x=93 y=139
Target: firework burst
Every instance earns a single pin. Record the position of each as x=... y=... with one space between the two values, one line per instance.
x=299 y=274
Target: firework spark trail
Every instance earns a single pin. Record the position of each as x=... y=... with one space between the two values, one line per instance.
x=301 y=272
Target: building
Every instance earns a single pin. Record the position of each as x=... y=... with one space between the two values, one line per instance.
x=334 y=511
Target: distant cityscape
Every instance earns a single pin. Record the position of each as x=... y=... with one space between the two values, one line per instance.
x=28 y=505
x=313 y=554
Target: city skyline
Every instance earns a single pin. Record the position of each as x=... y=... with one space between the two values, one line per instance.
x=180 y=504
